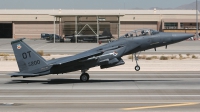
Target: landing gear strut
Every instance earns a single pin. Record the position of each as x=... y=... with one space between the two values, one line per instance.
x=137 y=67
x=84 y=76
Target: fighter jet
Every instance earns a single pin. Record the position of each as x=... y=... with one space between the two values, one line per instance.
x=109 y=55
x=91 y=38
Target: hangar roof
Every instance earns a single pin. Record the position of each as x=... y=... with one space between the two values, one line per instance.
x=160 y=11
x=62 y=12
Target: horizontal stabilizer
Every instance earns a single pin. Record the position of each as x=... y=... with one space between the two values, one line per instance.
x=18 y=74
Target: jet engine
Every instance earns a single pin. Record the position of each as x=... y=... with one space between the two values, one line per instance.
x=112 y=63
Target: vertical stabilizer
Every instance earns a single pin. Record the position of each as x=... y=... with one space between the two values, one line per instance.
x=27 y=59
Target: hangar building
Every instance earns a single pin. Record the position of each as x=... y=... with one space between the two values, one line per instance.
x=31 y=23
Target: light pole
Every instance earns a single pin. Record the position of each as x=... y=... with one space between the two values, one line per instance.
x=197 y=32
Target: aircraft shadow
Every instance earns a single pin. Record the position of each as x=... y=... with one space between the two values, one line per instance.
x=72 y=81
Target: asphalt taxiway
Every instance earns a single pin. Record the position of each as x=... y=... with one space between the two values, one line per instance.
x=106 y=91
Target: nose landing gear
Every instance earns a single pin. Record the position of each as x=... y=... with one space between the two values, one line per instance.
x=137 y=67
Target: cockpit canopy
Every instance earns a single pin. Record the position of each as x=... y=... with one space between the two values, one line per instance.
x=140 y=32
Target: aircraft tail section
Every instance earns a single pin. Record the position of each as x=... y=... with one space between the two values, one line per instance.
x=107 y=32
x=27 y=59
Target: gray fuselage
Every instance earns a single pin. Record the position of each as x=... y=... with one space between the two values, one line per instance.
x=110 y=54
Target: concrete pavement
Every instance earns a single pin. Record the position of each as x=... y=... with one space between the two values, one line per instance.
x=146 y=65
x=110 y=92
x=184 y=47
x=172 y=85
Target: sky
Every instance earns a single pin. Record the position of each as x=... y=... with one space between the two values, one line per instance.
x=91 y=4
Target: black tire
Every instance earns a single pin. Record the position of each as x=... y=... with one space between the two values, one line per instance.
x=72 y=41
x=61 y=40
x=137 y=68
x=84 y=77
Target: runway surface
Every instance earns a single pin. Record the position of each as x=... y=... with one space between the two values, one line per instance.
x=184 y=47
x=106 y=91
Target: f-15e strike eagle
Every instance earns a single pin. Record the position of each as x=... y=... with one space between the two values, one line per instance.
x=109 y=55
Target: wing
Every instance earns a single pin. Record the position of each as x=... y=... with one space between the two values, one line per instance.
x=78 y=57
x=88 y=55
x=92 y=54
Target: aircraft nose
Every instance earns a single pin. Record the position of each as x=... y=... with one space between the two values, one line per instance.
x=181 y=37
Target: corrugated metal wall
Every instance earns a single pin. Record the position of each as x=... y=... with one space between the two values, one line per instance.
x=141 y=17
x=33 y=29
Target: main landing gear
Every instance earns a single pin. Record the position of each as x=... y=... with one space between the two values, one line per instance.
x=137 y=67
x=84 y=76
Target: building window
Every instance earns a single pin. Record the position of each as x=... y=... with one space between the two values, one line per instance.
x=182 y=25
x=188 y=25
x=171 y=25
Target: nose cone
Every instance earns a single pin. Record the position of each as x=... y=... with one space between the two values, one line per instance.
x=181 y=36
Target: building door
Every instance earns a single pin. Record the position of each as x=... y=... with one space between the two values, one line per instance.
x=6 y=30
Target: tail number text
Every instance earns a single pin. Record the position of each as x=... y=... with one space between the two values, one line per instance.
x=33 y=63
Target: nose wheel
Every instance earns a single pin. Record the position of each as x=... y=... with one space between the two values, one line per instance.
x=137 y=67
